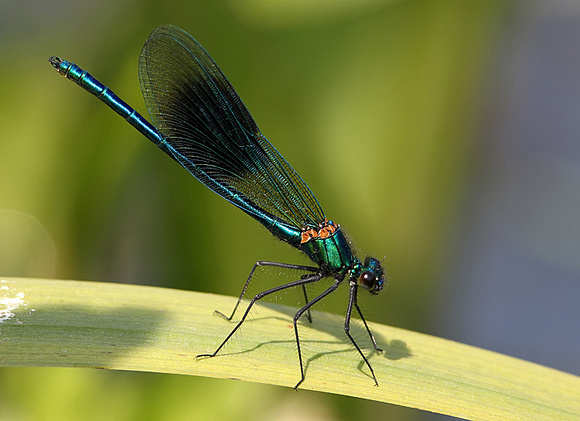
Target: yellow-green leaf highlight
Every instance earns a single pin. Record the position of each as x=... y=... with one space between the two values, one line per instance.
x=51 y=323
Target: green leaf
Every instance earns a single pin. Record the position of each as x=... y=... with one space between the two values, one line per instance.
x=52 y=323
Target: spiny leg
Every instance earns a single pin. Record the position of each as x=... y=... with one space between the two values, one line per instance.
x=352 y=302
x=313 y=278
x=297 y=316
x=308 y=315
x=377 y=349
x=266 y=263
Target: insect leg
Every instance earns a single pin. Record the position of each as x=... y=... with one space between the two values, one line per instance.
x=308 y=315
x=377 y=349
x=299 y=313
x=265 y=263
x=352 y=302
x=313 y=278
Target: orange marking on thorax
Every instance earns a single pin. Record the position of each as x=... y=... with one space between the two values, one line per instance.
x=326 y=230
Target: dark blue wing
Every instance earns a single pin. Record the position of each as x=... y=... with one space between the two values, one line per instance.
x=212 y=134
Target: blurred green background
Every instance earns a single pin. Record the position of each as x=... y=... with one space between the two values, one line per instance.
x=378 y=105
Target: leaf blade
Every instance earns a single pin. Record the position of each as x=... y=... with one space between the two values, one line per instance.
x=127 y=327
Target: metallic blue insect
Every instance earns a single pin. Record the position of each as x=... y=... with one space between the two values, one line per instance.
x=201 y=123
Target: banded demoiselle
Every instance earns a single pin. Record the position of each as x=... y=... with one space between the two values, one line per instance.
x=201 y=122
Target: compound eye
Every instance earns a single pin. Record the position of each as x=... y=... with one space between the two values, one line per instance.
x=367 y=280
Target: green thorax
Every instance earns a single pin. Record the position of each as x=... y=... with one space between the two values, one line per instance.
x=332 y=253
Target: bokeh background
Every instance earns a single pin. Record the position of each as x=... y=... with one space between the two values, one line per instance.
x=441 y=133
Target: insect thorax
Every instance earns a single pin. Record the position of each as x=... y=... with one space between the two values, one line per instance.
x=328 y=248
